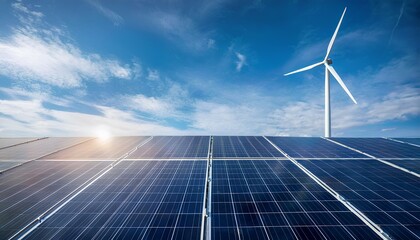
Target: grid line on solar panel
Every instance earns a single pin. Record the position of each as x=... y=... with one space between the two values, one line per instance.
x=10 y=142
x=145 y=199
x=311 y=147
x=97 y=148
x=179 y=147
x=386 y=195
x=230 y=147
x=30 y=190
x=275 y=199
x=40 y=148
x=412 y=141
x=380 y=147
x=410 y=164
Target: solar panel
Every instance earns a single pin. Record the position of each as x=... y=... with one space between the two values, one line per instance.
x=243 y=147
x=179 y=147
x=311 y=147
x=410 y=164
x=38 y=148
x=29 y=190
x=4 y=165
x=270 y=199
x=386 y=195
x=136 y=199
x=99 y=149
x=7 y=142
x=415 y=141
x=381 y=148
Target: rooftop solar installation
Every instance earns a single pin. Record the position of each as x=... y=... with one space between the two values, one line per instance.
x=415 y=141
x=178 y=147
x=387 y=195
x=203 y=187
x=258 y=199
x=135 y=200
x=410 y=164
x=38 y=148
x=381 y=148
x=243 y=147
x=312 y=147
x=99 y=149
x=7 y=142
x=29 y=190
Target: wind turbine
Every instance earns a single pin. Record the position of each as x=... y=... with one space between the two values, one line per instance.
x=328 y=69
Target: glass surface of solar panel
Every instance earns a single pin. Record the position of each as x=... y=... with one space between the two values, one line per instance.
x=135 y=200
x=415 y=141
x=270 y=199
x=381 y=148
x=6 y=142
x=386 y=195
x=111 y=148
x=243 y=147
x=313 y=147
x=29 y=190
x=175 y=147
x=38 y=148
x=410 y=164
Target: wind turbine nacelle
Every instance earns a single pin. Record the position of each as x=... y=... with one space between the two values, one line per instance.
x=329 y=61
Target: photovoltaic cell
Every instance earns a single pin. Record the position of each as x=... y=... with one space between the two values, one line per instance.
x=135 y=200
x=410 y=164
x=8 y=164
x=29 y=190
x=311 y=147
x=38 y=148
x=381 y=148
x=270 y=199
x=180 y=147
x=386 y=195
x=243 y=147
x=6 y=142
x=111 y=148
x=415 y=141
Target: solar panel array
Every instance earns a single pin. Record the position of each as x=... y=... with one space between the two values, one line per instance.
x=202 y=187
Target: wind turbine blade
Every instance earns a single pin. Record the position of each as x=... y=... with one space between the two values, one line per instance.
x=340 y=81
x=305 y=68
x=330 y=45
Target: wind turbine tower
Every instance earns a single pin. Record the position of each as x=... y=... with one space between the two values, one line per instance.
x=327 y=62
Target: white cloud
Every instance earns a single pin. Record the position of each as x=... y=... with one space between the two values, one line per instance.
x=108 y=13
x=240 y=62
x=153 y=74
x=150 y=105
x=36 y=54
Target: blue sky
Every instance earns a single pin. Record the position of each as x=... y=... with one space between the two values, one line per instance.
x=207 y=67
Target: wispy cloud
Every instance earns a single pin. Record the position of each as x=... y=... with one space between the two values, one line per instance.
x=108 y=13
x=241 y=61
x=153 y=74
x=397 y=23
x=33 y=53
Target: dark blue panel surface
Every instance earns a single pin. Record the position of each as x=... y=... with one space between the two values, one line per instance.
x=31 y=189
x=179 y=147
x=302 y=147
x=381 y=148
x=269 y=199
x=135 y=200
x=243 y=147
x=387 y=195
x=410 y=164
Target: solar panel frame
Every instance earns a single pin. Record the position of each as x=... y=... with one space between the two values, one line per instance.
x=415 y=141
x=312 y=147
x=381 y=147
x=173 y=147
x=232 y=147
x=9 y=142
x=378 y=190
x=409 y=164
x=283 y=210
x=31 y=189
x=143 y=200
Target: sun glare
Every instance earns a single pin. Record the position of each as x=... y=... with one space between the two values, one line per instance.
x=102 y=133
